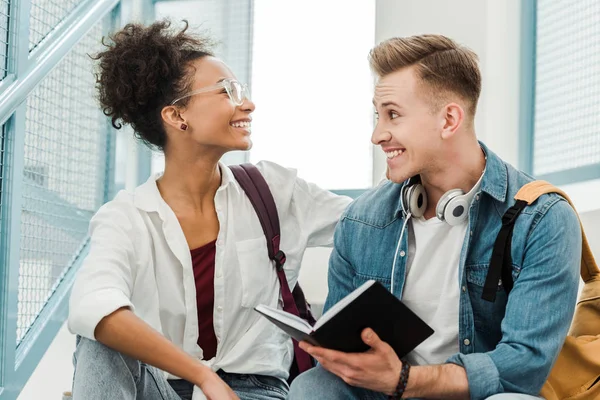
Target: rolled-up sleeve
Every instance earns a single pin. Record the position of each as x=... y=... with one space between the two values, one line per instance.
x=483 y=376
x=316 y=210
x=538 y=313
x=104 y=281
x=321 y=211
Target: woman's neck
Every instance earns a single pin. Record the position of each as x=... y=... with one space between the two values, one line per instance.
x=190 y=185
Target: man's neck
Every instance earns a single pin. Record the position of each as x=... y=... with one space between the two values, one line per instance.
x=459 y=169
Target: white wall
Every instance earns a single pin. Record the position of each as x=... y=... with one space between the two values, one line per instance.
x=490 y=28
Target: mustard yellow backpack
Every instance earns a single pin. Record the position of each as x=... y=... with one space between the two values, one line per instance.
x=576 y=373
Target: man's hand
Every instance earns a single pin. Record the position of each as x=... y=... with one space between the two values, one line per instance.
x=214 y=388
x=377 y=369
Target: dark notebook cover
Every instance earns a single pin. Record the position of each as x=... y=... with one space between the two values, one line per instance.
x=375 y=308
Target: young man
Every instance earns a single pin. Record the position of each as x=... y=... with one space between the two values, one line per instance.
x=432 y=249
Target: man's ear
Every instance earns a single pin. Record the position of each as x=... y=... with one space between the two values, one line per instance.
x=452 y=118
x=172 y=117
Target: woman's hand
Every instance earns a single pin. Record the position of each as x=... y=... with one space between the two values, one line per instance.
x=214 y=388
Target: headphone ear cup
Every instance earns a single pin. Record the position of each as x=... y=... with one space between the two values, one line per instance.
x=453 y=207
x=416 y=199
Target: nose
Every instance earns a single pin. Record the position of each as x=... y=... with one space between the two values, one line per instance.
x=380 y=134
x=248 y=105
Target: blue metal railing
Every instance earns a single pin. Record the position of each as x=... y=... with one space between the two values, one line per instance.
x=35 y=170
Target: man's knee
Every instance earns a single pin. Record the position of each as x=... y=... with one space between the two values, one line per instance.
x=318 y=383
x=310 y=384
x=302 y=386
x=513 y=396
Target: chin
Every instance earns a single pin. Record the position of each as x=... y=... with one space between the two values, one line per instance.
x=243 y=146
x=398 y=176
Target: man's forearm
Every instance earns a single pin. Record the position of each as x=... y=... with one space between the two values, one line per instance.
x=124 y=332
x=447 y=381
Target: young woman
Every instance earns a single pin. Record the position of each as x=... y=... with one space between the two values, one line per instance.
x=163 y=304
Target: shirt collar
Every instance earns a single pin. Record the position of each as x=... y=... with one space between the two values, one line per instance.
x=495 y=179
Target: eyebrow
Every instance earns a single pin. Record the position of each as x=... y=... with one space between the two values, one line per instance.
x=387 y=103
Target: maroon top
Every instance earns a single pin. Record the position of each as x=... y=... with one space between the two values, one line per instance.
x=203 y=261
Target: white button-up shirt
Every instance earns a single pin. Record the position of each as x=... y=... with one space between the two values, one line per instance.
x=139 y=258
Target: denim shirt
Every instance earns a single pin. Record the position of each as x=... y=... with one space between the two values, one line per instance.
x=511 y=344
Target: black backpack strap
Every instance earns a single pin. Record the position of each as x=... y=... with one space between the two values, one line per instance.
x=501 y=262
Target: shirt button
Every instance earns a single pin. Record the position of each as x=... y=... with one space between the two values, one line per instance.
x=467 y=342
x=471 y=233
x=219 y=309
x=402 y=253
x=464 y=288
x=220 y=243
x=219 y=274
x=477 y=197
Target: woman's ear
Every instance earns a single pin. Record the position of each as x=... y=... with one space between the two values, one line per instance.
x=172 y=117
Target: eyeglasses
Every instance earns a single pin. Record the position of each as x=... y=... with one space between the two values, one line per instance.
x=237 y=91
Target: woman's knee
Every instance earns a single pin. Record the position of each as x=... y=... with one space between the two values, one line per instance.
x=93 y=357
x=101 y=371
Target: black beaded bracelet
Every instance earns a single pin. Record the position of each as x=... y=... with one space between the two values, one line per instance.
x=402 y=381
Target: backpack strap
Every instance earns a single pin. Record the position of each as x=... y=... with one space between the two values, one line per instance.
x=530 y=193
x=501 y=262
x=257 y=190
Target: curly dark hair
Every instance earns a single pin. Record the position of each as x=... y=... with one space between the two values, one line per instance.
x=142 y=71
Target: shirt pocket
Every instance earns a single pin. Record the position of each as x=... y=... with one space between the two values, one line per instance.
x=256 y=270
x=477 y=274
x=487 y=316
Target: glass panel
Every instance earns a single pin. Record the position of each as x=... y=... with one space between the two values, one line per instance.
x=64 y=177
x=4 y=36
x=45 y=16
x=567 y=97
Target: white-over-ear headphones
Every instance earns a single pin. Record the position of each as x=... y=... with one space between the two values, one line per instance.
x=453 y=206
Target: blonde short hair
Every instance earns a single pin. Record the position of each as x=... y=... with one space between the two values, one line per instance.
x=441 y=64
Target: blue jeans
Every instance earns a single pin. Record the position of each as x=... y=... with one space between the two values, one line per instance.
x=103 y=373
x=318 y=383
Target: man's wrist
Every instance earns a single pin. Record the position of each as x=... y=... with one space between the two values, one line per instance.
x=394 y=379
x=402 y=382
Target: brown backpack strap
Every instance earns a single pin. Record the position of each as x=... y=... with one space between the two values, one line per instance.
x=256 y=188
x=530 y=193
